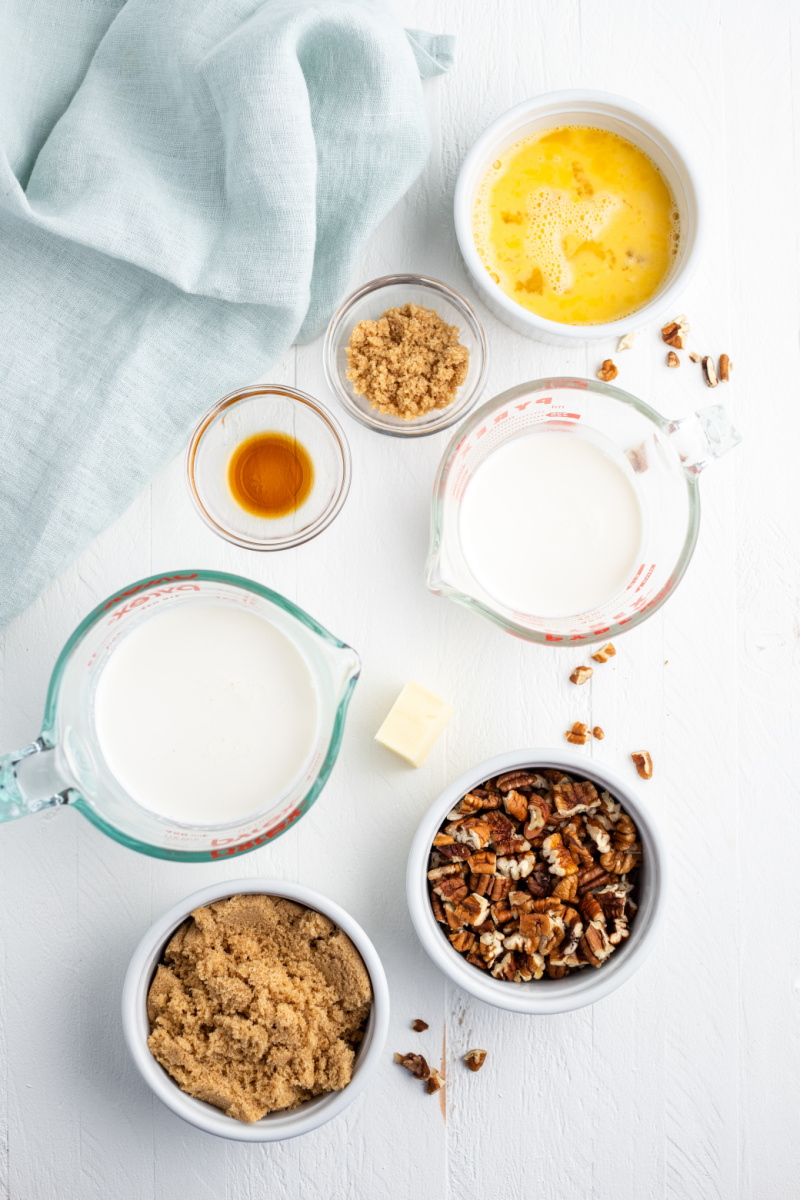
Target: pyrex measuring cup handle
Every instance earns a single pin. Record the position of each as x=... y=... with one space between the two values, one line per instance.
x=702 y=437
x=39 y=788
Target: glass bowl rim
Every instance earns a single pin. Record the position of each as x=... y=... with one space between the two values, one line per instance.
x=458 y=301
x=345 y=458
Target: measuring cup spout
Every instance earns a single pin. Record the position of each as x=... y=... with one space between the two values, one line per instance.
x=29 y=781
x=702 y=437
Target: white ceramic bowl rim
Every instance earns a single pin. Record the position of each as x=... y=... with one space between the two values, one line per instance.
x=545 y=996
x=563 y=105
x=275 y=1126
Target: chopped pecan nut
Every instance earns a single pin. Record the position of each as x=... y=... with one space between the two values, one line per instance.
x=566 y=888
x=673 y=360
x=573 y=797
x=512 y=915
x=475 y=1059
x=581 y=675
x=474 y=832
x=458 y=850
x=434 y=1082
x=695 y=357
x=516 y=805
x=624 y=833
x=500 y=888
x=414 y=1063
x=520 y=779
x=604 y=653
x=598 y=733
x=473 y=910
x=482 y=862
x=608 y=371
x=443 y=839
x=558 y=856
x=453 y=888
x=674 y=333
x=419 y=1026
x=618 y=862
x=578 y=735
x=626 y=341
x=643 y=763
x=709 y=371
x=725 y=368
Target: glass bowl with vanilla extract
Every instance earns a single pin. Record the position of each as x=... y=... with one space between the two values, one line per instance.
x=268 y=468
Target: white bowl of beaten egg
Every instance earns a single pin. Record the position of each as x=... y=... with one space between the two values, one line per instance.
x=277 y=1125
x=578 y=216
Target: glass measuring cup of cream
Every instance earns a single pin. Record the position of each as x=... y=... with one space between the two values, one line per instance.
x=566 y=510
x=192 y=716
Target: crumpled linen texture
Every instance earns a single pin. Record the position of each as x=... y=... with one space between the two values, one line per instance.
x=185 y=189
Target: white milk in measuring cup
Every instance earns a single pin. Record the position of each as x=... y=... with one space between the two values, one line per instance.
x=206 y=713
x=566 y=510
x=550 y=524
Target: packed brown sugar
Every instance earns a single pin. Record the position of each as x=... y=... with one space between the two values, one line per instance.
x=408 y=362
x=258 y=1005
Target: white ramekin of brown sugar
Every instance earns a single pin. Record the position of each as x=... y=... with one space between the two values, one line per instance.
x=275 y=1126
x=629 y=120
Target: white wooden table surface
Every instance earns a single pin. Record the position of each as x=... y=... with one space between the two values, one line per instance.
x=684 y=1082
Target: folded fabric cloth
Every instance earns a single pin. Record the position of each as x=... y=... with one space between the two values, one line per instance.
x=184 y=191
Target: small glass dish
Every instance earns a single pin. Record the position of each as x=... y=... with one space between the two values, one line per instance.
x=369 y=303
x=267 y=408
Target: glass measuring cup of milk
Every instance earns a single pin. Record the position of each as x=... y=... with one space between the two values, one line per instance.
x=162 y=728
x=617 y=490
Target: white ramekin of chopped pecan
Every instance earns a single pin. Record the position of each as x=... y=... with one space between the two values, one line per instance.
x=537 y=881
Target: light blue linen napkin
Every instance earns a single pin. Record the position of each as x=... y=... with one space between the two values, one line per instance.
x=184 y=190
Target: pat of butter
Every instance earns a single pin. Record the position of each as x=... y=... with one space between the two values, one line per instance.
x=415 y=721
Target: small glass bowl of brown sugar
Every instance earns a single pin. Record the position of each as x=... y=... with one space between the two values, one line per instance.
x=406 y=355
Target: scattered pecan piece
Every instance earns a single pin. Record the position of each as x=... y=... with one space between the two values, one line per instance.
x=581 y=675
x=695 y=357
x=725 y=368
x=598 y=733
x=578 y=735
x=604 y=653
x=608 y=371
x=626 y=341
x=673 y=360
x=414 y=1063
x=475 y=1059
x=643 y=763
x=434 y=1083
x=419 y=1026
x=674 y=332
x=709 y=372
